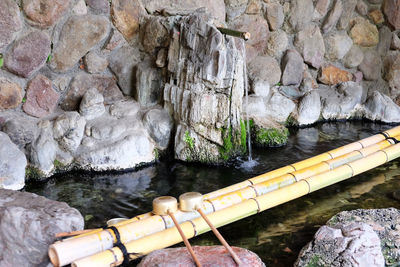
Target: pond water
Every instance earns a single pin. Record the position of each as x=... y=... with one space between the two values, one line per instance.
x=276 y=235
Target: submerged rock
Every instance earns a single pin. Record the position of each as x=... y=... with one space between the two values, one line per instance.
x=28 y=224
x=207 y=255
x=12 y=167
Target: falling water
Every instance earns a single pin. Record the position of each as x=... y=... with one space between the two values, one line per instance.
x=246 y=89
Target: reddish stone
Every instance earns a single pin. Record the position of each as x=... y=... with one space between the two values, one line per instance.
x=332 y=75
x=28 y=54
x=10 y=94
x=10 y=22
x=41 y=98
x=45 y=12
x=391 y=8
x=208 y=256
x=106 y=85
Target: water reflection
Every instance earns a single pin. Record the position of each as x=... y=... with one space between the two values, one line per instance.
x=278 y=234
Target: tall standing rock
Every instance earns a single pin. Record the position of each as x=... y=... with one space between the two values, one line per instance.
x=301 y=13
x=45 y=13
x=79 y=34
x=10 y=94
x=41 y=98
x=311 y=45
x=10 y=22
x=126 y=15
x=333 y=16
x=391 y=8
x=205 y=92
x=292 y=68
x=28 y=54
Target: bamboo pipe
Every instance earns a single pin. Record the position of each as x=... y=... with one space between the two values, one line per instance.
x=154 y=224
x=244 y=209
x=193 y=201
x=243 y=35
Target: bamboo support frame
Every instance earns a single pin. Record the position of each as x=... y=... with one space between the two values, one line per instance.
x=244 y=209
x=222 y=198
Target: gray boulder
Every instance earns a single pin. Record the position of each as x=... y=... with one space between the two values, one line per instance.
x=258 y=71
x=309 y=108
x=92 y=105
x=148 y=84
x=337 y=45
x=124 y=108
x=28 y=224
x=371 y=66
x=311 y=45
x=292 y=68
x=68 y=130
x=159 y=125
x=21 y=130
x=279 y=107
x=12 y=166
x=380 y=107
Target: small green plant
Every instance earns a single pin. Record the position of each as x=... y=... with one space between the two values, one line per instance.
x=57 y=164
x=189 y=140
x=1 y=60
x=24 y=100
x=278 y=84
x=271 y=137
x=49 y=58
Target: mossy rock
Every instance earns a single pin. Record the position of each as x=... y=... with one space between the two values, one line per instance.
x=33 y=173
x=270 y=137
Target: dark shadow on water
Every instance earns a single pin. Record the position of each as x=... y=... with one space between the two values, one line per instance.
x=276 y=235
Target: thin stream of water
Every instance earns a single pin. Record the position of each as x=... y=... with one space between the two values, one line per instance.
x=246 y=89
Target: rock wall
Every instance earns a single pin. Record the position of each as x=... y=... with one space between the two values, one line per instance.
x=105 y=85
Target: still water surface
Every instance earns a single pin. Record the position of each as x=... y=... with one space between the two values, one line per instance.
x=276 y=235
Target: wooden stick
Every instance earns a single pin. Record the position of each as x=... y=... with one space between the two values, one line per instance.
x=220 y=238
x=243 y=35
x=73 y=233
x=185 y=240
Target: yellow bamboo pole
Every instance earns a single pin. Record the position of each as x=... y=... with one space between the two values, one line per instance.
x=243 y=209
x=159 y=223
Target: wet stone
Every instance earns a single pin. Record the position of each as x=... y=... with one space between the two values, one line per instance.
x=78 y=36
x=41 y=98
x=45 y=13
x=10 y=94
x=28 y=54
x=10 y=22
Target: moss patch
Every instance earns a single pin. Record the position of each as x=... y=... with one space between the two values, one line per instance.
x=315 y=262
x=273 y=137
x=32 y=173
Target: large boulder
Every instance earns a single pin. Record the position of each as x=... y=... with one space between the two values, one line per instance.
x=391 y=8
x=159 y=125
x=301 y=13
x=311 y=45
x=68 y=130
x=12 y=166
x=309 y=109
x=207 y=255
x=28 y=225
x=333 y=16
x=10 y=22
x=149 y=84
x=45 y=13
x=257 y=70
x=380 y=107
x=22 y=130
x=292 y=68
x=92 y=104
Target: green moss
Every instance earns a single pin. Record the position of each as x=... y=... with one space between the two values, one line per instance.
x=156 y=153
x=189 y=140
x=290 y=121
x=227 y=149
x=315 y=262
x=57 y=164
x=32 y=173
x=273 y=137
x=1 y=60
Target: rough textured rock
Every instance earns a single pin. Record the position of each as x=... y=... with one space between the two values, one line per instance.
x=10 y=94
x=279 y=107
x=354 y=57
x=391 y=8
x=43 y=150
x=376 y=16
x=105 y=129
x=235 y=8
x=149 y=84
x=311 y=45
x=309 y=108
x=82 y=82
x=253 y=7
x=92 y=104
x=159 y=124
x=274 y=15
x=260 y=87
x=124 y=108
x=12 y=165
x=292 y=68
x=214 y=7
x=21 y=130
x=392 y=70
x=122 y=63
x=126 y=15
x=277 y=43
x=28 y=54
x=79 y=34
x=364 y=33
x=10 y=22
x=301 y=13
x=337 y=45
x=371 y=66
x=130 y=151
x=342 y=103
x=333 y=16
x=45 y=13
x=348 y=8
x=80 y=8
x=115 y=41
x=68 y=130
x=380 y=107
x=205 y=93
x=95 y=63
x=28 y=224
x=321 y=8
x=99 y=6
x=385 y=39
x=208 y=256
x=352 y=244
x=155 y=34
x=41 y=98
x=362 y=7
x=258 y=72
x=258 y=28
x=333 y=75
